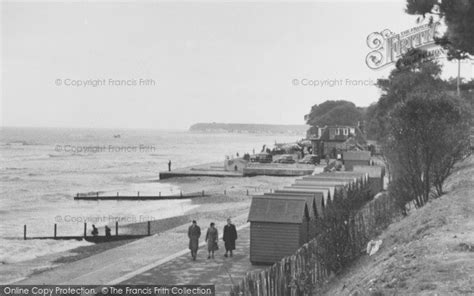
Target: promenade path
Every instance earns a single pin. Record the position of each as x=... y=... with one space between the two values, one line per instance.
x=119 y=264
x=221 y=272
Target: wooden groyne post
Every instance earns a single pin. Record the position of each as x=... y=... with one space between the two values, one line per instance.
x=149 y=228
x=55 y=230
x=24 y=232
x=116 y=228
x=85 y=229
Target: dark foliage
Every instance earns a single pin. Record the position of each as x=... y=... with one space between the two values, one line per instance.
x=459 y=18
x=338 y=249
x=428 y=133
x=335 y=113
x=413 y=74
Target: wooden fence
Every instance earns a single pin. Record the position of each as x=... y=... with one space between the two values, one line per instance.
x=302 y=273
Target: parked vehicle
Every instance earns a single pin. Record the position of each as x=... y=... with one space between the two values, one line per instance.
x=310 y=159
x=261 y=158
x=285 y=159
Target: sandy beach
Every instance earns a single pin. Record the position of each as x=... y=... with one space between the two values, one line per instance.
x=227 y=197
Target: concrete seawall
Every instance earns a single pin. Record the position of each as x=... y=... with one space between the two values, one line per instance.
x=212 y=169
x=278 y=170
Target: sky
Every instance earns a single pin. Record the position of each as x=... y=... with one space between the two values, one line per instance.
x=167 y=65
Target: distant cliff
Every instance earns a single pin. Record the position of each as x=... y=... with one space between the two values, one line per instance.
x=250 y=128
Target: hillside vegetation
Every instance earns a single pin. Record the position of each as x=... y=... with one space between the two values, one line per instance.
x=430 y=252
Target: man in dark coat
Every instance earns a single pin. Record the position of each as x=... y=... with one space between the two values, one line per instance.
x=230 y=236
x=194 y=232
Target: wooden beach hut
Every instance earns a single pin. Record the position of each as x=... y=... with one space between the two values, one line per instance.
x=336 y=176
x=323 y=195
x=339 y=186
x=312 y=209
x=278 y=227
x=359 y=180
x=359 y=176
x=376 y=176
x=309 y=197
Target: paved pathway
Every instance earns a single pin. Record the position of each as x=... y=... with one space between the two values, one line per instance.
x=117 y=264
x=220 y=271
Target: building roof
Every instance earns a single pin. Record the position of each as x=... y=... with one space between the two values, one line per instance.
x=356 y=155
x=355 y=174
x=374 y=171
x=327 y=192
x=276 y=210
x=309 y=198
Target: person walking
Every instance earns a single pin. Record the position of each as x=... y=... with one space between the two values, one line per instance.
x=212 y=237
x=169 y=166
x=230 y=236
x=194 y=233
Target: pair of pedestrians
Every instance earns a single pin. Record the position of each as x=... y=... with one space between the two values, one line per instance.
x=212 y=236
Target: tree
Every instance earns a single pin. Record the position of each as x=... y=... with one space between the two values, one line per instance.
x=459 y=18
x=421 y=125
x=334 y=113
x=428 y=134
x=413 y=74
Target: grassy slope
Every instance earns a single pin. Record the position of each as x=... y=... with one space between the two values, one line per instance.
x=430 y=252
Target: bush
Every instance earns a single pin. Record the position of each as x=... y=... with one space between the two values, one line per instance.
x=428 y=134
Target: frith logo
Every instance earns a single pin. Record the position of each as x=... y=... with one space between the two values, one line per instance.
x=387 y=46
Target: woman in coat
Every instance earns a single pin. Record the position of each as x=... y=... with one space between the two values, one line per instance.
x=211 y=238
x=194 y=232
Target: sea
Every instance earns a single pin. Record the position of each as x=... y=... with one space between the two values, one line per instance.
x=41 y=169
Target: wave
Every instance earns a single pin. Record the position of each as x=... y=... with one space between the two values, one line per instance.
x=68 y=155
x=55 y=196
x=34 y=175
x=21 y=143
x=10 y=179
x=26 y=158
x=17 y=250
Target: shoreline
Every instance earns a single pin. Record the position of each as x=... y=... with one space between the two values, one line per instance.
x=217 y=207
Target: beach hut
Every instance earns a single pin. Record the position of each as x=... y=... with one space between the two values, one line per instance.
x=339 y=186
x=312 y=209
x=376 y=176
x=360 y=178
x=319 y=197
x=323 y=195
x=278 y=227
x=352 y=189
x=309 y=197
x=352 y=158
x=354 y=176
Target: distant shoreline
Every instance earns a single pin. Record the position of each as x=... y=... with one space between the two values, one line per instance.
x=249 y=128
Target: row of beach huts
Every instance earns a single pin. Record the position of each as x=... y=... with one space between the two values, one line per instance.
x=285 y=219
